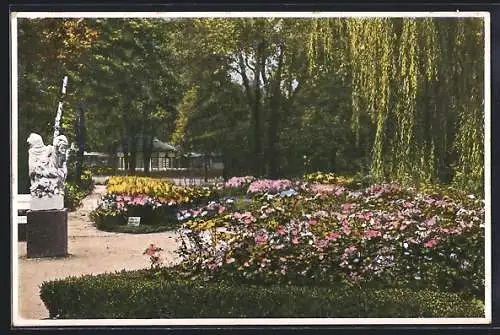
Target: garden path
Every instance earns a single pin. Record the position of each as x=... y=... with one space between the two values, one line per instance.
x=90 y=252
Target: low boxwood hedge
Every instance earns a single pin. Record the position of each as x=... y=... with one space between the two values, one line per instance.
x=153 y=294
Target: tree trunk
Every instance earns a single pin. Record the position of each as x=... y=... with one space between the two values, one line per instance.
x=225 y=166
x=80 y=138
x=205 y=167
x=133 y=155
x=272 y=155
x=147 y=149
x=254 y=103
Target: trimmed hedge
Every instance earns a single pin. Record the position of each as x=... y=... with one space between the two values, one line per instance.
x=154 y=294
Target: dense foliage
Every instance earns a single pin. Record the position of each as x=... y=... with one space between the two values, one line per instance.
x=74 y=192
x=168 y=294
x=399 y=98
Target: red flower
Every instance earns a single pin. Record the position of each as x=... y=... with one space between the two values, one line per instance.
x=431 y=243
x=151 y=250
x=372 y=233
x=261 y=237
x=347 y=207
x=321 y=244
x=332 y=236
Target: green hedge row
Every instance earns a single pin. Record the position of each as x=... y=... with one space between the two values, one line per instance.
x=150 y=294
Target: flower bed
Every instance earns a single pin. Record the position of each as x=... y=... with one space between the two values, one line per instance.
x=258 y=241
x=385 y=235
x=156 y=201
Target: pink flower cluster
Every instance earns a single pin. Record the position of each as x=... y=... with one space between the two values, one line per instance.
x=269 y=185
x=326 y=189
x=237 y=182
x=122 y=201
x=245 y=217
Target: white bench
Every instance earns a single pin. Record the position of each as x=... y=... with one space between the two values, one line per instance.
x=23 y=204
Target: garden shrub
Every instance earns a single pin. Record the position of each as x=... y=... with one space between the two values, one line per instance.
x=73 y=193
x=72 y=196
x=103 y=170
x=159 y=294
x=86 y=182
x=351 y=182
x=234 y=187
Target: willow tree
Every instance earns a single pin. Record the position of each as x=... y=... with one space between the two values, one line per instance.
x=418 y=83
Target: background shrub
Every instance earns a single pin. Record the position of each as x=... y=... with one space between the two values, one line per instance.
x=74 y=193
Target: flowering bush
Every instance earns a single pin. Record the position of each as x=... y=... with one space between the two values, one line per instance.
x=384 y=234
x=269 y=185
x=239 y=182
x=352 y=182
x=154 y=254
x=235 y=186
x=321 y=177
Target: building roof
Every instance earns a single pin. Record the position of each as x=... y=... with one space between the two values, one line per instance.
x=163 y=146
x=158 y=145
x=95 y=154
x=193 y=154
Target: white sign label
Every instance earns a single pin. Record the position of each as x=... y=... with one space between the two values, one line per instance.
x=134 y=220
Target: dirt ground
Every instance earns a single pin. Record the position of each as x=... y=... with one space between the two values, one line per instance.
x=90 y=252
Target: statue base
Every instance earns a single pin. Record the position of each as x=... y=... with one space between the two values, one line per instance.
x=46 y=203
x=47 y=233
x=21 y=232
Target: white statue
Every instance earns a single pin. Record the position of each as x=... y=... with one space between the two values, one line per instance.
x=47 y=166
x=47 y=170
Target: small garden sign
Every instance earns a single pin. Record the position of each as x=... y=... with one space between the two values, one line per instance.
x=134 y=221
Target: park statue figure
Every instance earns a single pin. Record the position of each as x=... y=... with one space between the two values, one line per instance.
x=47 y=167
x=47 y=219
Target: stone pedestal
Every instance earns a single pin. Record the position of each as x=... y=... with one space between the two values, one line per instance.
x=47 y=233
x=55 y=201
x=21 y=232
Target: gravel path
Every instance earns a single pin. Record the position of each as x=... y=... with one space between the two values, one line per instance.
x=90 y=252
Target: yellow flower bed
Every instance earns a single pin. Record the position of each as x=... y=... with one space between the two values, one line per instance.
x=328 y=178
x=131 y=185
x=164 y=190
